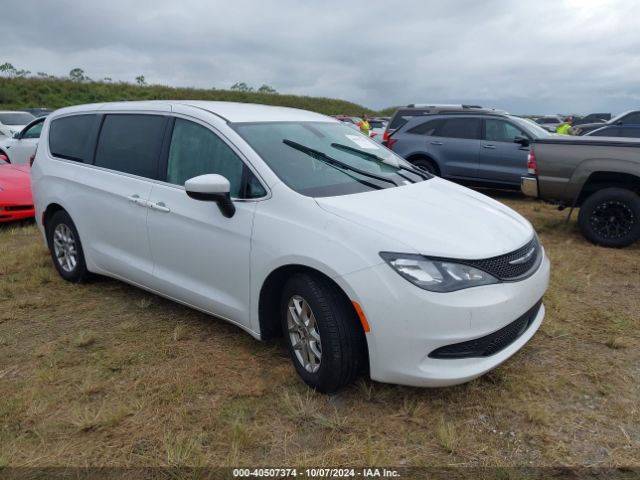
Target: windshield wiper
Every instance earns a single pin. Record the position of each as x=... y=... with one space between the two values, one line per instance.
x=318 y=155
x=373 y=156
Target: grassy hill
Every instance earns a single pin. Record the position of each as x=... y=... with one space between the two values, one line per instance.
x=19 y=93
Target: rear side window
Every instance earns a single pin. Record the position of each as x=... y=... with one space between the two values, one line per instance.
x=72 y=138
x=131 y=144
x=426 y=128
x=468 y=128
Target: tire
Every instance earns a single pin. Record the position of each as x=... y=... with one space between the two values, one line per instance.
x=342 y=345
x=65 y=248
x=427 y=165
x=611 y=217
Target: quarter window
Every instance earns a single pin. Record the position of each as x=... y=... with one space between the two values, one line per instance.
x=196 y=150
x=131 y=144
x=426 y=128
x=73 y=137
x=468 y=128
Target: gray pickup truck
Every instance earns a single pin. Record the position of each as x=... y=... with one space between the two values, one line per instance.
x=600 y=175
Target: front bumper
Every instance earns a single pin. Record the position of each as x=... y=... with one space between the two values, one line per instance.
x=529 y=186
x=408 y=324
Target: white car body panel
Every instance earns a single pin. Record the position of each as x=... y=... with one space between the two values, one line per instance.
x=198 y=257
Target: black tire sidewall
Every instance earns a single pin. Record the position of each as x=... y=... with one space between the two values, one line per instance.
x=427 y=165
x=79 y=273
x=628 y=197
x=332 y=318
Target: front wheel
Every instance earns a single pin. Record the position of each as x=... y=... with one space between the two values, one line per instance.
x=325 y=341
x=611 y=217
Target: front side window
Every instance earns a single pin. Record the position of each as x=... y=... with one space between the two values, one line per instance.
x=73 y=137
x=34 y=130
x=605 y=132
x=322 y=159
x=196 y=150
x=631 y=119
x=501 y=131
x=131 y=143
x=468 y=128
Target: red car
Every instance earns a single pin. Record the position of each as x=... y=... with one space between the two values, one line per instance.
x=16 y=201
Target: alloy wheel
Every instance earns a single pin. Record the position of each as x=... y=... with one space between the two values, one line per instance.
x=64 y=247
x=303 y=333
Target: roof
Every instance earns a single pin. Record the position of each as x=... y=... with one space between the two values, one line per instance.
x=230 y=111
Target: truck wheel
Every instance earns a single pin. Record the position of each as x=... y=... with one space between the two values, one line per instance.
x=611 y=217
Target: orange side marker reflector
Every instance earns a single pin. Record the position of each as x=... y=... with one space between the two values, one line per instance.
x=361 y=315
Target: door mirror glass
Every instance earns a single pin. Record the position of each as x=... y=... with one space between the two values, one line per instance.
x=212 y=188
x=523 y=141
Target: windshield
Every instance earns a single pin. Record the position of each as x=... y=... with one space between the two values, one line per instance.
x=18 y=118
x=532 y=127
x=322 y=159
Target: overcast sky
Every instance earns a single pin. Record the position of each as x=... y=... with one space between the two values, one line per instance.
x=525 y=56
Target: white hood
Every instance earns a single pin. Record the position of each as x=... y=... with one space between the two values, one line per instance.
x=436 y=218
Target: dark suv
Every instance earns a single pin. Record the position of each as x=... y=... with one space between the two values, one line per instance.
x=472 y=145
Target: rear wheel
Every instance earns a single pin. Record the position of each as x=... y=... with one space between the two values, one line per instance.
x=325 y=341
x=65 y=247
x=427 y=165
x=611 y=217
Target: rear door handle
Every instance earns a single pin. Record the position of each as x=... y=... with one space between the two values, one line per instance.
x=160 y=207
x=436 y=143
x=490 y=147
x=137 y=200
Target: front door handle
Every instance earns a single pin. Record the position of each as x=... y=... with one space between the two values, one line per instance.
x=490 y=147
x=137 y=200
x=436 y=143
x=160 y=206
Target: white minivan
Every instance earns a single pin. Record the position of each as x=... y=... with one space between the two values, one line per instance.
x=289 y=223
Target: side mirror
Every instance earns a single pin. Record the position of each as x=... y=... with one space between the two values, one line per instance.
x=523 y=141
x=212 y=188
x=16 y=136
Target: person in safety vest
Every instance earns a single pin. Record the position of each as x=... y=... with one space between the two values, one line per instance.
x=565 y=128
x=364 y=125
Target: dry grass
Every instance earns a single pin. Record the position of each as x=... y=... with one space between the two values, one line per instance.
x=106 y=374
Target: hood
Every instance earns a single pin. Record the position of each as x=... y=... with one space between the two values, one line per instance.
x=15 y=182
x=12 y=129
x=436 y=218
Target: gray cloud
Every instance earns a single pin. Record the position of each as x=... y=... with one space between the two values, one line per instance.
x=524 y=56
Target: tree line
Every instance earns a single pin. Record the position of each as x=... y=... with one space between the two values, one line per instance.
x=78 y=75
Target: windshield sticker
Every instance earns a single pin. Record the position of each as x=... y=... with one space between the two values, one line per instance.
x=362 y=142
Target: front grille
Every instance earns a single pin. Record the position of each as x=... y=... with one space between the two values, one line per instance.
x=492 y=343
x=512 y=266
x=18 y=208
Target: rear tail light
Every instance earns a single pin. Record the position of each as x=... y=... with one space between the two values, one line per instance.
x=389 y=143
x=385 y=135
x=532 y=166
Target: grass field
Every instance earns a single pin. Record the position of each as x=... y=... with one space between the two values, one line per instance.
x=105 y=374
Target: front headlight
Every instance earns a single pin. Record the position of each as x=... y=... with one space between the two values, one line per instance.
x=437 y=275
